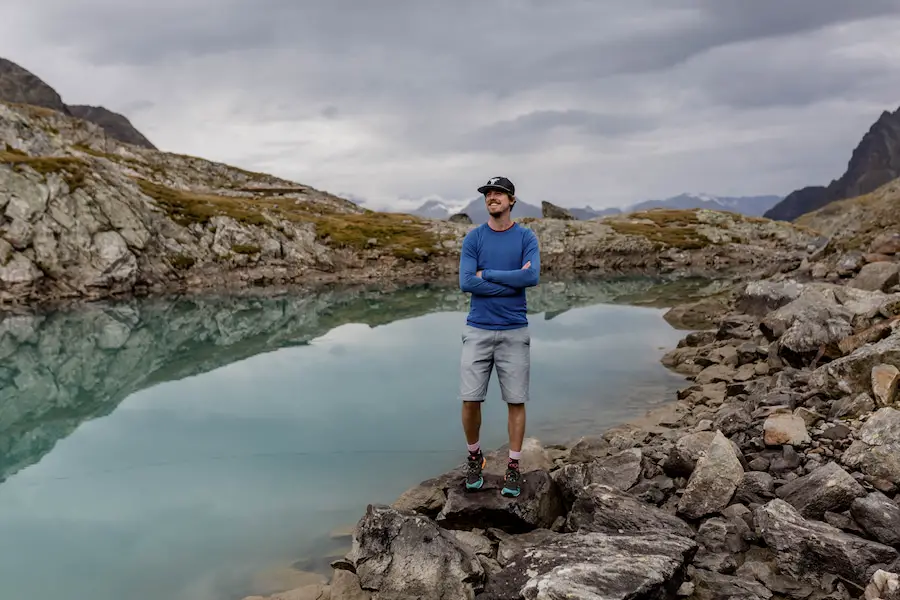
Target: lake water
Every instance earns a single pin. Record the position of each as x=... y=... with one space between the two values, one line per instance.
x=207 y=448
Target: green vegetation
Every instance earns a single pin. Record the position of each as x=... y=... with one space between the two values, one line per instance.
x=73 y=170
x=246 y=249
x=399 y=234
x=182 y=261
x=186 y=207
x=668 y=228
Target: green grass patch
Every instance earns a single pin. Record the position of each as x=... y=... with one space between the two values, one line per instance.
x=73 y=170
x=400 y=234
x=665 y=227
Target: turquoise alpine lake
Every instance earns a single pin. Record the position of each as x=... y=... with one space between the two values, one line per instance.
x=212 y=447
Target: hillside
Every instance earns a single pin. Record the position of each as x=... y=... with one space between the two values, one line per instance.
x=874 y=162
x=20 y=86
x=85 y=216
x=116 y=125
x=864 y=223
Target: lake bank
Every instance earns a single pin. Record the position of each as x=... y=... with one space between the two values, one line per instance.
x=774 y=474
x=180 y=436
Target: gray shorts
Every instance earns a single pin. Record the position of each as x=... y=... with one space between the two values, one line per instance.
x=508 y=350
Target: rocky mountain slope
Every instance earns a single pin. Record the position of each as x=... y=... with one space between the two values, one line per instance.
x=116 y=125
x=85 y=216
x=18 y=85
x=863 y=224
x=874 y=162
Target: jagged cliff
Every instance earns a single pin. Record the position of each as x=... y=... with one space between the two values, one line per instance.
x=20 y=86
x=85 y=216
x=874 y=162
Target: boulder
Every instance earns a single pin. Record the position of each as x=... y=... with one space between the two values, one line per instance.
x=879 y=516
x=887 y=242
x=605 y=509
x=852 y=374
x=877 y=276
x=811 y=550
x=885 y=379
x=700 y=314
x=552 y=211
x=827 y=488
x=621 y=470
x=460 y=218
x=709 y=585
x=715 y=374
x=405 y=556
x=785 y=428
x=684 y=454
x=877 y=451
x=720 y=541
x=732 y=418
x=755 y=487
x=759 y=298
x=852 y=406
x=345 y=586
x=884 y=586
x=714 y=480
x=594 y=565
x=538 y=506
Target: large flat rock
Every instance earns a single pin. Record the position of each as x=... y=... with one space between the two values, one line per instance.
x=538 y=506
x=594 y=566
x=603 y=508
x=809 y=550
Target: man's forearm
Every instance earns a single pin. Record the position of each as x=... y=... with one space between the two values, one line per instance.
x=519 y=278
x=481 y=287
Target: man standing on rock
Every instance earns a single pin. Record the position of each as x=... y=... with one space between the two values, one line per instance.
x=499 y=259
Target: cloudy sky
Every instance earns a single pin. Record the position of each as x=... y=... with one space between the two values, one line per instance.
x=577 y=101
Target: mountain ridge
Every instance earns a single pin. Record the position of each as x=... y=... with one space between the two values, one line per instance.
x=874 y=162
x=745 y=205
x=18 y=85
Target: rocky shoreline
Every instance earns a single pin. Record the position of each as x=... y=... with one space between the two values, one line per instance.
x=775 y=474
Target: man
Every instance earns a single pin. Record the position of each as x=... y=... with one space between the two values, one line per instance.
x=499 y=259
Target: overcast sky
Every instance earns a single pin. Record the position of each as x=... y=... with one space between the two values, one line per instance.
x=577 y=101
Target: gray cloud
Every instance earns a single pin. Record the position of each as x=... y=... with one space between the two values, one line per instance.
x=581 y=102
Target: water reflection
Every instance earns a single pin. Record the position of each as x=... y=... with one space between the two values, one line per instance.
x=239 y=431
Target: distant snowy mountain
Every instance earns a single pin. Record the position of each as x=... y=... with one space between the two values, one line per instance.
x=434 y=209
x=747 y=205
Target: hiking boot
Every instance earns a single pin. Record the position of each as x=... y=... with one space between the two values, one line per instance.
x=511 y=486
x=474 y=465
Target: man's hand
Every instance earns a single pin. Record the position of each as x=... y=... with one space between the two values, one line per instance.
x=478 y=274
x=526 y=265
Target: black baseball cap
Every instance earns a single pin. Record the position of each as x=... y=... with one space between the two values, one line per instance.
x=498 y=183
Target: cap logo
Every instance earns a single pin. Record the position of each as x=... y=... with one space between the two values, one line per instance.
x=493 y=180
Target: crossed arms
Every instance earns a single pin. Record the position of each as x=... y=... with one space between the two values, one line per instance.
x=495 y=282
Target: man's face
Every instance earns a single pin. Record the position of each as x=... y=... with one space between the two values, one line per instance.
x=497 y=202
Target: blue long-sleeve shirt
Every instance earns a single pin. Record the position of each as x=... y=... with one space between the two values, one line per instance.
x=498 y=296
